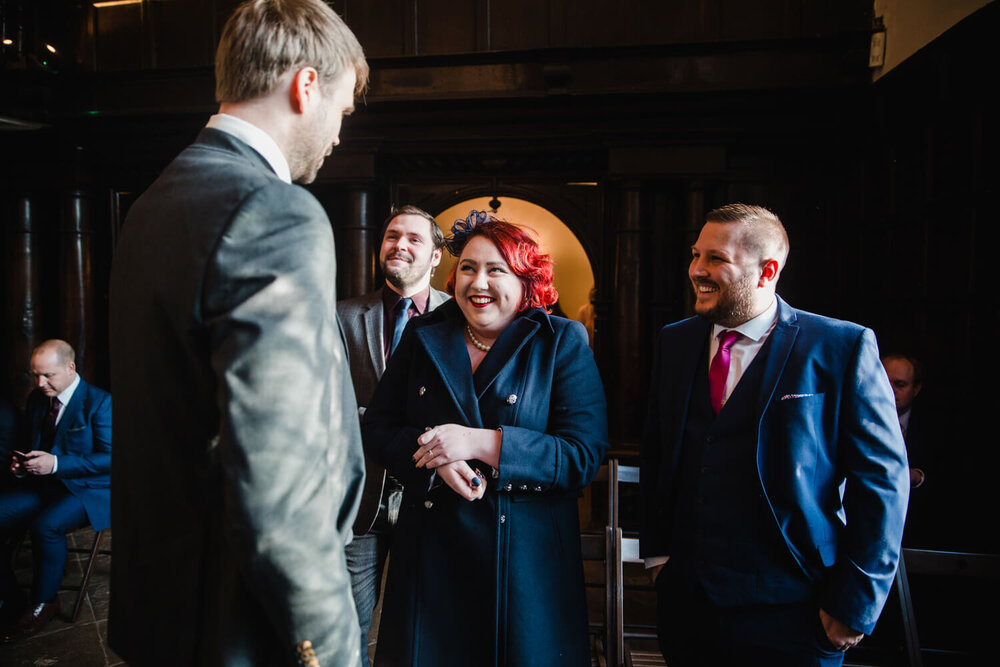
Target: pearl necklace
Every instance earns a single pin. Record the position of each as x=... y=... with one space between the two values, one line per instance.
x=475 y=341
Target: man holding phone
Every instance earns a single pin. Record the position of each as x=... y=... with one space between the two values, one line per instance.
x=62 y=481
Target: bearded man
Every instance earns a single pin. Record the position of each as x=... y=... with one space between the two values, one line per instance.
x=372 y=324
x=774 y=478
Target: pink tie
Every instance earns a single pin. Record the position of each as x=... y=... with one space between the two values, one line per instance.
x=718 y=372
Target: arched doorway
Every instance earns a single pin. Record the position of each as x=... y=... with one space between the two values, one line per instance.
x=574 y=276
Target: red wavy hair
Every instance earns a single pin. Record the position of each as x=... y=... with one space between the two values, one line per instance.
x=524 y=258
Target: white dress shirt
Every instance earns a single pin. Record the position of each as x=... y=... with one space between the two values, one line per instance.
x=256 y=138
x=64 y=397
x=755 y=332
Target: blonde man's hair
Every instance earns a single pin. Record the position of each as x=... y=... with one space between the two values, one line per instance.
x=264 y=39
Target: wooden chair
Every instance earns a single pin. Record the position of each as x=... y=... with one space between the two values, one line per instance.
x=625 y=549
x=941 y=563
x=93 y=551
x=616 y=548
x=595 y=547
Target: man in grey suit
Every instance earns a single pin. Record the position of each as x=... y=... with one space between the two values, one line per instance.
x=411 y=249
x=238 y=463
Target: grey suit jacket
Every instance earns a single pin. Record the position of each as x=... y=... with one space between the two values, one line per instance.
x=238 y=462
x=362 y=322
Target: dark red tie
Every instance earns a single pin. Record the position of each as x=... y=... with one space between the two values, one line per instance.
x=49 y=425
x=718 y=372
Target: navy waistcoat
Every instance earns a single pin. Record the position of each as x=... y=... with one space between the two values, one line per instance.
x=725 y=535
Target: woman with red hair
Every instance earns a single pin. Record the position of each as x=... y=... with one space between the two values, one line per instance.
x=492 y=415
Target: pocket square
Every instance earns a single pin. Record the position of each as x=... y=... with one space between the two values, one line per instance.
x=790 y=396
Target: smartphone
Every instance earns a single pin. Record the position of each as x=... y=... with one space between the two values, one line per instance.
x=21 y=456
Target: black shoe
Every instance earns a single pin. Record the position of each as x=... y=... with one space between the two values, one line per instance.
x=32 y=621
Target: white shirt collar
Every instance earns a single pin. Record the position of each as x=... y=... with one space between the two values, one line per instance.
x=256 y=138
x=66 y=394
x=756 y=328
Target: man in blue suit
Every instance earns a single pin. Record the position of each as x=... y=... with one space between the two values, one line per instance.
x=63 y=480
x=774 y=475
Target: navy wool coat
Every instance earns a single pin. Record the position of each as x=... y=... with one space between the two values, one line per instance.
x=498 y=581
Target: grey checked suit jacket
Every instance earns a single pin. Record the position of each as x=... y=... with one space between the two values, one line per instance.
x=238 y=463
x=362 y=322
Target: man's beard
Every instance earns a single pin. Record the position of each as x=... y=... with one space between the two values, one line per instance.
x=734 y=304
x=404 y=277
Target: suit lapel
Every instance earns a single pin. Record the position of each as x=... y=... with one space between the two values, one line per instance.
x=780 y=344
x=445 y=347
x=507 y=345
x=74 y=408
x=436 y=299
x=373 y=322
x=687 y=369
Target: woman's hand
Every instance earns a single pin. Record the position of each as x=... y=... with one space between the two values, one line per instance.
x=466 y=482
x=449 y=443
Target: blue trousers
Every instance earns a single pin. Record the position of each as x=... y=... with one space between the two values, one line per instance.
x=365 y=561
x=693 y=631
x=49 y=511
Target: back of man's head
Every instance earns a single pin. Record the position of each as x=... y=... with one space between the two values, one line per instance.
x=264 y=39
x=763 y=233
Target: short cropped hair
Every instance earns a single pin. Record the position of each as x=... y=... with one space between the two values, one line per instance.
x=437 y=236
x=65 y=354
x=264 y=39
x=765 y=236
x=522 y=254
x=918 y=366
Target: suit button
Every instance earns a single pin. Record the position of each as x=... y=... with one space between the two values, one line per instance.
x=503 y=518
x=512 y=399
x=523 y=487
x=428 y=504
x=507 y=487
x=538 y=488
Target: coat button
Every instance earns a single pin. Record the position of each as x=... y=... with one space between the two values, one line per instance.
x=503 y=518
x=507 y=487
x=538 y=488
x=422 y=391
x=523 y=487
x=512 y=399
x=428 y=504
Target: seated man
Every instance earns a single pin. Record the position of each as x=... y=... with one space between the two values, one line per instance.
x=62 y=481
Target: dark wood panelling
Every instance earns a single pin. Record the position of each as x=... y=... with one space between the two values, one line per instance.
x=384 y=27
x=119 y=40
x=446 y=26
x=195 y=19
x=521 y=24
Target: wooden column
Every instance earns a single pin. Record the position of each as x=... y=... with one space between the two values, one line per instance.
x=77 y=290
x=358 y=244
x=23 y=296
x=631 y=351
x=694 y=218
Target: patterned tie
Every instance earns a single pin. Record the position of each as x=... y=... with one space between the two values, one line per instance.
x=718 y=372
x=49 y=424
x=402 y=317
